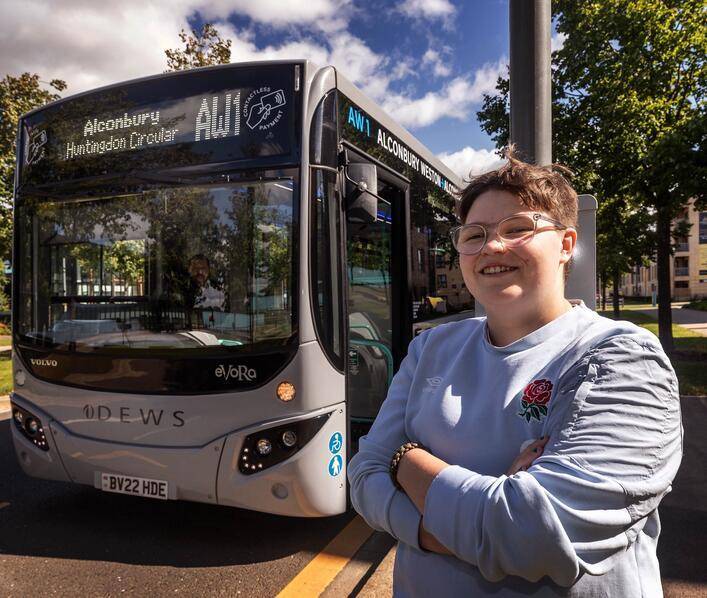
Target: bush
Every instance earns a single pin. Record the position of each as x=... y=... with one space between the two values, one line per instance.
x=700 y=304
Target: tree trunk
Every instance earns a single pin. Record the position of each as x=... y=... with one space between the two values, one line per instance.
x=665 y=316
x=603 y=293
x=616 y=280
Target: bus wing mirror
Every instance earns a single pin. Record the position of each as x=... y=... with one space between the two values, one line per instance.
x=361 y=192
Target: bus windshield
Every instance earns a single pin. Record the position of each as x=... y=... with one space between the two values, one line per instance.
x=172 y=268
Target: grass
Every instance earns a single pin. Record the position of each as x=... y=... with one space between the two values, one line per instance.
x=5 y=373
x=689 y=358
x=5 y=340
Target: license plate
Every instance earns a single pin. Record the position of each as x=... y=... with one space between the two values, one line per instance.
x=125 y=484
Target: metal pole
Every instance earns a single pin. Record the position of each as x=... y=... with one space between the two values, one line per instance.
x=530 y=80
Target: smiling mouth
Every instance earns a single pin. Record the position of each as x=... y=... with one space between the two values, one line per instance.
x=491 y=270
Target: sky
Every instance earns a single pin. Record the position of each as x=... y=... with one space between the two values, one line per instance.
x=427 y=62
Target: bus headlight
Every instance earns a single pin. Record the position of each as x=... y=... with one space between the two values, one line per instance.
x=30 y=426
x=266 y=448
x=289 y=438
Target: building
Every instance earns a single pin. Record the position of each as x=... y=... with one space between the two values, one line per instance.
x=688 y=266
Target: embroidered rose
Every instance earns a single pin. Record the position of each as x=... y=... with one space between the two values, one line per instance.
x=535 y=399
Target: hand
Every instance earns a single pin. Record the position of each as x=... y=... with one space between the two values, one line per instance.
x=528 y=455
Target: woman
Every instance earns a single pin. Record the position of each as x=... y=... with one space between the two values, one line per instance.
x=543 y=435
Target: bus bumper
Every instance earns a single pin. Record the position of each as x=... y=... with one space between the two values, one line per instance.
x=304 y=485
x=311 y=483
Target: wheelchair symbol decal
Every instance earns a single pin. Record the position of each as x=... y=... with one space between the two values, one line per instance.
x=336 y=442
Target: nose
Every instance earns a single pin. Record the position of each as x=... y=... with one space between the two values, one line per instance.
x=493 y=244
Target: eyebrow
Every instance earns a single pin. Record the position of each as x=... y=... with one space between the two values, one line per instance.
x=497 y=221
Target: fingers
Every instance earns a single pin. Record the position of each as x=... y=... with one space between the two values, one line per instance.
x=527 y=457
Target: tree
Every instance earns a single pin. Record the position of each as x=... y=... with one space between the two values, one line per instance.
x=630 y=112
x=636 y=73
x=200 y=49
x=17 y=96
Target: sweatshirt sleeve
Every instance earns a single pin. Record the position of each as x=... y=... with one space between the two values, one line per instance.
x=615 y=447
x=373 y=494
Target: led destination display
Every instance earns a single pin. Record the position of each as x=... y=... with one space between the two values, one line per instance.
x=219 y=115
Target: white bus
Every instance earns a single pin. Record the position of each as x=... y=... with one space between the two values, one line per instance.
x=216 y=274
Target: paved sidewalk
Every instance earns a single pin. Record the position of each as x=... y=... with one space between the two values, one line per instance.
x=4 y=403
x=692 y=319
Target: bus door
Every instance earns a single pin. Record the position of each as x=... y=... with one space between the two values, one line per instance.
x=377 y=278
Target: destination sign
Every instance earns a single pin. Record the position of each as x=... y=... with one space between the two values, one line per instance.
x=218 y=115
x=357 y=120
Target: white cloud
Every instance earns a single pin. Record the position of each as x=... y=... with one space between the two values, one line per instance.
x=469 y=161
x=433 y=60
x=89 y=44
x=280 y=13
x=454 y=100
x=427 y=9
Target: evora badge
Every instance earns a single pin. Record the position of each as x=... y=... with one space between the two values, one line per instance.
x=242 y=373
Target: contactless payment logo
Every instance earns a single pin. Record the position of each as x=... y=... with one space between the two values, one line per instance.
x=263 y=108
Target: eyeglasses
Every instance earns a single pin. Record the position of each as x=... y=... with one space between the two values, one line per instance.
x=469 y=239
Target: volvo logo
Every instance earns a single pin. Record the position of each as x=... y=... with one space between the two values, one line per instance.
x=52 y=363
x=242 y=373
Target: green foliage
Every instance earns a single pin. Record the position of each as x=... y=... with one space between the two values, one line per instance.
x=630 y=118
x=203 y=48
x=17 y=96
x=5 y=373
x=700 y=305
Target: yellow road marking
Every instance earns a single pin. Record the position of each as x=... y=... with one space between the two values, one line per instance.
x=324 y=567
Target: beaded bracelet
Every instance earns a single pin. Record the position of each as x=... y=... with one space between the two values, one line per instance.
x=397 y=456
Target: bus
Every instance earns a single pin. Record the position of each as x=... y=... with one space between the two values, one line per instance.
x=216 y=274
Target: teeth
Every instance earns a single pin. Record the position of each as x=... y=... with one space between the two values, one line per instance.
x=496 y=269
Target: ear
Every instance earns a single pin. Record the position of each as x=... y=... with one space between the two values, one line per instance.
x=569 y=242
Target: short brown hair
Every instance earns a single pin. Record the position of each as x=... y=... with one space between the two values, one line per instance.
x=539 y=188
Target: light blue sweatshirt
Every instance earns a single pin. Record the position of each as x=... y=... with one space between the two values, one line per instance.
x=582 y=521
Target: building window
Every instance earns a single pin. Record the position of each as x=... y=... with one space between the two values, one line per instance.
x=682 y=284
x=421 y=260
x=703 y=228
x=439 y=260
x=681 y=266
x=442 y=281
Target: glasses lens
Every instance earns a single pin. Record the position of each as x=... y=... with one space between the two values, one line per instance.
x=516 y=230
x=469 y=239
